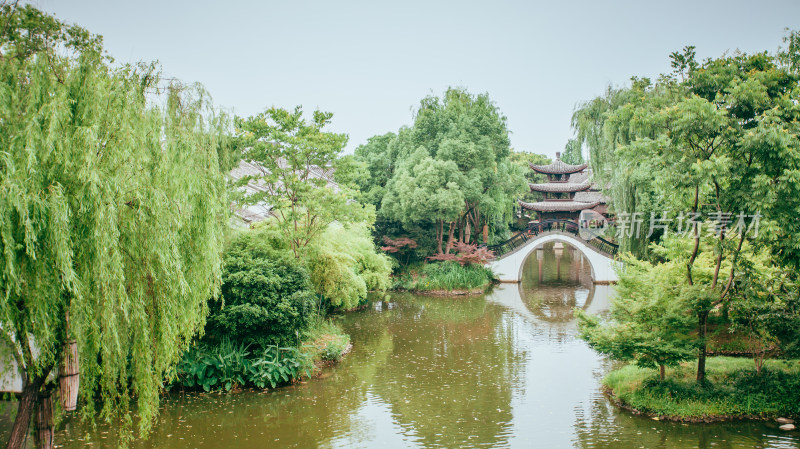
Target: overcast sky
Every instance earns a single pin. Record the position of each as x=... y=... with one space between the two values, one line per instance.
x=371 y=62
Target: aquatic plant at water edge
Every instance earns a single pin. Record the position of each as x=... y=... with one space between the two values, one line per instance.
x=450 y=275
x=229 y=365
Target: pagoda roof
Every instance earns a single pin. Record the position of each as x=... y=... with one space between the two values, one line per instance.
x=590 y=196
x=558 y=167
x=560 y=187
x=558 y=206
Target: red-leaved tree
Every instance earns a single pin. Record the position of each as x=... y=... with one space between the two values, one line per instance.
x=466 y=254
x=402 y=246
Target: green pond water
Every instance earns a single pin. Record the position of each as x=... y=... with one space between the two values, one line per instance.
x=501 y=370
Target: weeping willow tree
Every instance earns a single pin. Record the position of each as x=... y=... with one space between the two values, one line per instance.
x=112 y=209
x=612 y=129
x=573 y=152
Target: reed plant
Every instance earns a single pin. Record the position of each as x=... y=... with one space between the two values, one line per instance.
x=450 y=275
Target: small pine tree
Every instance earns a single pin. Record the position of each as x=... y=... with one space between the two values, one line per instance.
x=649 y=322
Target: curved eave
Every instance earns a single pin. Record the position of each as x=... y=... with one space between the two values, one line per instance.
x=558 y=206
x=553 y=187
x=558 y=168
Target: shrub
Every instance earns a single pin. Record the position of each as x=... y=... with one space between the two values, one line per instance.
x=266 y=295
x=213 y=367
x=401 y=248
x=466 y=254
x=274 y=366
x=344 y=265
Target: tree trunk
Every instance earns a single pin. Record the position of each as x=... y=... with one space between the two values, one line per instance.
x=451 y=230
x=467 y=233
x=701 y=358
x=44 y=421
x=758 y=358
x=663 y=371
x=439 y=232
x=486 y=233
x=696 y=232
x=27 y=404
x=476 y=221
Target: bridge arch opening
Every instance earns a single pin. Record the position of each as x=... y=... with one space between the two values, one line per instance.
x=548 y=259
x=556 y=278
x=555 y=238
x=509 y=266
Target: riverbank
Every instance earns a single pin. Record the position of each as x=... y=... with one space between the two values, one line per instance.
x=326 y=345
x=733 y=390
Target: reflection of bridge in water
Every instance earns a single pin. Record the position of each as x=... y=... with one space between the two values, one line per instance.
x=512 y=254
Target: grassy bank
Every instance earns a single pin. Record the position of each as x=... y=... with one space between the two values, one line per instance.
x=733 y=390
x=326 y=343
x=446 y=278
x=228 y=365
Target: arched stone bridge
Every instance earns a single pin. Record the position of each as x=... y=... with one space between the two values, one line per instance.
x=512 y=254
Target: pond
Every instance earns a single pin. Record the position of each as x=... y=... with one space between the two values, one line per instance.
x=501 y=370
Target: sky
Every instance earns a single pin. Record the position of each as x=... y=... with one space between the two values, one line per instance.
x=371 y=62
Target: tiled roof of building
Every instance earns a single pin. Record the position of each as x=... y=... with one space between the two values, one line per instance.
x=558 y=167
x=590 y=196
x=558 y=206
x=560 y=187
x=580 y=177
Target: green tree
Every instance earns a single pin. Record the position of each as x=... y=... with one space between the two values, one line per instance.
x=425 y=190
x=297 y=159
x=767 y=307
x=521 y=162
x=470 y=131
x=459 y=145
x=715 y=138
x=112 y=215
x=379 y=155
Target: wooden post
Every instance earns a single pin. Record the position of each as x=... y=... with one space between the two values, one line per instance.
x=69 y=377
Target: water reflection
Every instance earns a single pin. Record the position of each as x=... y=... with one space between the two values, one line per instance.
x=505 y=370
x=455 y=389
x=555 y=281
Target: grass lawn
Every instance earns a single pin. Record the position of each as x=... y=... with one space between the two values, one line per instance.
x=732 y=390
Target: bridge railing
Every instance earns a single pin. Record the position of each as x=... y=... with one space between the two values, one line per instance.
x=534 y=229
x=604 y=245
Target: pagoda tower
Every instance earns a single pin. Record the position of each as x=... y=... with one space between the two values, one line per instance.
x=567 y=192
